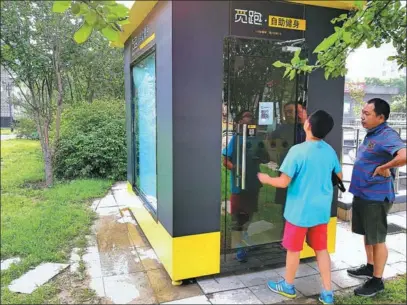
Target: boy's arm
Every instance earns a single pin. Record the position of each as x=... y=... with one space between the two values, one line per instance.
x=280 y=182
x=227 y=163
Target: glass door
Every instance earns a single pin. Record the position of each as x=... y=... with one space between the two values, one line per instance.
x=260 y=124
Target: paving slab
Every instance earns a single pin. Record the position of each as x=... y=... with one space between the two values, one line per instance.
x=311 y=285
x=136 y=236
x=37 y=277
x=74 y=260
x=265 y=295
x=238 y=296
x=8 y=262
x=390 y=272
x=194 y=300
x=129 y=288
x=119 y=261
x=258 y=278
x=95 y=204
x=107 y=202
x=108 y=211
x=91 y=258
x=303 y=270
x=121 y=185
x=398 y=220
x=400 y=267
x=148 y=258
x=397 y=242
x=343 y=280
x=166 y=292
x=395 y=257
x=217 y=284
x=97 y=285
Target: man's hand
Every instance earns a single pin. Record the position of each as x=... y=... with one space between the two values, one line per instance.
x=263 y=178
x=380 y=171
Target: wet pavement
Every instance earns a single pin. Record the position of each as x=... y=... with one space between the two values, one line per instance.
x=125 y=270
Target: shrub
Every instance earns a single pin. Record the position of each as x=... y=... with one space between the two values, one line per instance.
x=26 y=128
x=92 y=141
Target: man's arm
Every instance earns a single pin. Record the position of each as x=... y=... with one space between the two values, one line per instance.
x=227 y=163
x=280 y=182
x=399 y=160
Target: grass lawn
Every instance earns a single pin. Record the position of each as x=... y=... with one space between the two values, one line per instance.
x=39 y=224
x=6 y=131
x=395 y=293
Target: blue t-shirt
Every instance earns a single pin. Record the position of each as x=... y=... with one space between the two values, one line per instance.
x=310 y=193
x=256 y=154
x=378 y=148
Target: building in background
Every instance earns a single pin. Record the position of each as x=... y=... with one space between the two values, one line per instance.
x=6 y=97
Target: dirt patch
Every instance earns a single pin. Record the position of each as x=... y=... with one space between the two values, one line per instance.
x=74 y=290
x=34 y=185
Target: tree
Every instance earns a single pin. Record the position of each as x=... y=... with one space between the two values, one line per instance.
x=357 y=95
x=107 y=17
x=399 y=104
x=95 y=72
x=399 y=83
x=373 y=24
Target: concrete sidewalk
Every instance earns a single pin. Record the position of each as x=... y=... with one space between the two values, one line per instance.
x=125 y=270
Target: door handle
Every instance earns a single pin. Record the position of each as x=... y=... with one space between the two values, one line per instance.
x=237 y=173
x=244 y=144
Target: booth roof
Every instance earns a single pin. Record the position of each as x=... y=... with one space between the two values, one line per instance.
x=141 y=9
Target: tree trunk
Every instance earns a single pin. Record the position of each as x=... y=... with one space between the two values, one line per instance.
x=60 y=94
x=42 y=129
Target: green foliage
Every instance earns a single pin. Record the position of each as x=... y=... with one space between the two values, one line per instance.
x=357 y=96
x=26 y=128
x=375 y=24
x=399 y=83
x=399 y=104
x=107 y=17
x=92 y=142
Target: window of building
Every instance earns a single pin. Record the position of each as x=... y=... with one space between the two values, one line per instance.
x=145 y=129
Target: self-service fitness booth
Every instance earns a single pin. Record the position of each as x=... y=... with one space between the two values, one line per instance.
x=192 y=69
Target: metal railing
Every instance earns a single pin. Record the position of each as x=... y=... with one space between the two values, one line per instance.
x=357 y=138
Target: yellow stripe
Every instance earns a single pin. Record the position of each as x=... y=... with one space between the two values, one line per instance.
x=138 y=12
x=183 y=257
x=195 y=255
x=339 y=4
x=147 y=41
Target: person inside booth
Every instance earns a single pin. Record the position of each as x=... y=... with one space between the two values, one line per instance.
x=244 y=202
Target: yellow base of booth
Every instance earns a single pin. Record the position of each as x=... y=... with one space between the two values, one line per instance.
x=194 y=255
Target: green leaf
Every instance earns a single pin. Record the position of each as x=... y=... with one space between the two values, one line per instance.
x=359 y=4
x=327 y=43
x=91 y=17
x=76 y=8
x=278 y=64
x=60 y=6
x=123 y=22
x=110 y=33
x=83 y=33
x=347 y=37
x=287 y=70
x=296 y=58
x=292 y=74
x=120 y=10
x=326 y=75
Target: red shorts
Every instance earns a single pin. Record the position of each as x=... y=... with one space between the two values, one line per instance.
x=317 y=237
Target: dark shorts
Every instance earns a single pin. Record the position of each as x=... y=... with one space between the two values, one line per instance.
x=369 y=218
x=242 y=207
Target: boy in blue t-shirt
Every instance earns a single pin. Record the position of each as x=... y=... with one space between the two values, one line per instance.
x=307 y=172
